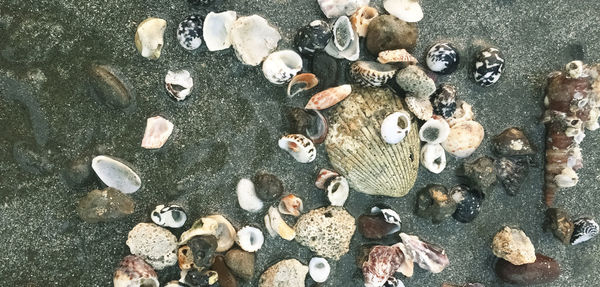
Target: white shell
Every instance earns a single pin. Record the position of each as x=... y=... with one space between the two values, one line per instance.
x=433 y=157
x=116 y=174
x=217 y=27
x=250 y=238
x=281 y=66
x=202 y=226
x=395 y=127
x=336 y=8
x=170 y=216
x=319 y=269
x=253 y=39
x=277 y=226
x=179 y=84
x=158 y=131
x=337 y=191
x=299 y=146
x=464 y=138
x=149 y=37
x=247 y=197
x=351 y=53
x=436 y=125
x=405 y=10
x=567 y=178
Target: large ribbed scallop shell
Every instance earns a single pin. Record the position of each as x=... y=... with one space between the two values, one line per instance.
x=356 y=150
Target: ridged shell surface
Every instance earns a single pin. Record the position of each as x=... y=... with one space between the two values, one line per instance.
x=356 y=150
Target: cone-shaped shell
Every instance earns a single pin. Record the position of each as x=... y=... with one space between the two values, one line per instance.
x=356 y=150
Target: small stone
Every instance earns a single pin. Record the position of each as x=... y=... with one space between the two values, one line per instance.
x=514 y=246
x=444 y=101
x=158 y=130
x=468 y=203
x=268 y=186
x=109 y=86
x=480 y=172
x=286 y=273
x=313 y=37
x=105 y=205
x=156 y=245
x=584 y=229
x=78 y=172
x=204 y=278
x=326 y=69
x=203 y=249
x=415 y=82
x=434 y=201
x=488 y=67
x=226 y=278
x=543 y=270
x=326 y=231
x=557 y=221
x=387 y=32
x=241 y=263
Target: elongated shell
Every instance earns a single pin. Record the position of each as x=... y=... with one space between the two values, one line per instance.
x=356 y=150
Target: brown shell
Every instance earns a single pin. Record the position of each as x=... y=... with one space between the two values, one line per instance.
x=356 y=150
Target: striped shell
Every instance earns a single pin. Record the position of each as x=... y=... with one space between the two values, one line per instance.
x=371 y=74
x=357 y=151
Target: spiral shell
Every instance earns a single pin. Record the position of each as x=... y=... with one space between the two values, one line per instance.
x=371 y=74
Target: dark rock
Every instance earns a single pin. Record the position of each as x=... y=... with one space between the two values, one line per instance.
x=434 y=201
x=543 y=270
x=468 y=203
x=196 y=278
x=268 y=186
x=379 y=223
x=203 y=248
x=30 y=160
x=313 y=37
x=241 y=263
x=79 y=172
x=326 y=69
x=109 y=86
x=105 y=205
x=226 y=278
x=512 y=172
x=512 y=142
x=481 y=172
x=387 y=32
x=557 y=221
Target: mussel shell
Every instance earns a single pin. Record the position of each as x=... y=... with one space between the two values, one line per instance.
x=584 y=229
x=371 y=74
x=310 y=123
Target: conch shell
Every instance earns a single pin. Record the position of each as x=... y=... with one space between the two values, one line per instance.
x=357 y=151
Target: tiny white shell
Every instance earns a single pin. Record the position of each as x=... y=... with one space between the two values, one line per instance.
x=247 y=197
x=250 y=238
x=433 y=157
x=567 y=178
x=216 y=30
x=395 y=127
x=158 y=131
x=435 y=130
x=179 y=84
x=173 y=216
x=116 y=174
x=337 y=191
x=299 y=147
x=405 y=10
x=319 y=269
x=281 y=66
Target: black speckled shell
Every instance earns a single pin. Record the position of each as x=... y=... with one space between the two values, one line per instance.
x=468 y=203
x=444 y=101
x=489 y=67
x=189 y=32
x=313 y=37
x=442 y=58
x=584 y=229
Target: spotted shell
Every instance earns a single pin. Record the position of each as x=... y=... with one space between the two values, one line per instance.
x=357 y=152
x=371 y=74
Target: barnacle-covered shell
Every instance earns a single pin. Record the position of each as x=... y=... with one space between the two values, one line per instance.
x=558 y=221
x=291 y=205
x=584 y=229
x=512 y=172
x=512 y=142
x=357 y=151
x=371 y=74
x=329 y=97
x=170 y=215
x=250 y=238
x=134 y=271
x=468 y=203
x=396 y=56
x=422 y=108
x=481 y=172
x=281 y=66
x=361 y=18
x=299 y=147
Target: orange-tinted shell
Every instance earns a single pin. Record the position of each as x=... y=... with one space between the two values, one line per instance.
x=323 y=176
x=328 y=98
x=291 y=205
x=396 y=56
x=361 y=18
x=301 y=82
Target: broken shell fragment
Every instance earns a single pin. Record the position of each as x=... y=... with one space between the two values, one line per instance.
x=268 y=186
x=217 y=27
x=310 y=123
x=134 y=271
x=584 y=229
x=405 y=10
x=281 y=66
x=324 y=177
x=247 y=198
x=313 y=37
x=395 y=127
x=396 y=56
x=513 y=245
x=415 y=82
x=434 y=131
x=149 y=37
x=463 y=113
x=116 y=174
x=394 y=282
x=337 y=8
x=512 y=173
x=300 y=83
x=319 y=269
x=299 y=147
x=371 y=74
x=361 y=18
x=433 y=157
x=379 y=223
x=512 y=142
x=291 y=205
x=329 y=97
x=158 y=131
x=224 y=232
x=337 y=191
x=421 y=108
x=407 y=267
x=189 y=32
x=202 y=226
x=429 y=256
x=250 y=238
x=464 y=138
x=343 y=34
x=253 y=39
x=179 y=84
x=382 y=263
x=277 y=226
x=444 y=101
x=170 y=215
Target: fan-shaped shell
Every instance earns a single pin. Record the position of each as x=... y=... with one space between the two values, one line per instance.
x=357 y=151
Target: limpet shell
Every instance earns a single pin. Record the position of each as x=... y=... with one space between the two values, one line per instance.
x=328 y=98
x=281 y=66
x=361 y=18
x=371 y=74
x=357 y=151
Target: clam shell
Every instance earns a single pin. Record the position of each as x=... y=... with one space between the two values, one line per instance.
x=356 y=150
x=116 y=174
x=371 y=74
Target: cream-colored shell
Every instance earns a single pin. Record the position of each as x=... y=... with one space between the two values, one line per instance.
x=356 y=150
x=464 y=138
x=149 y=37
